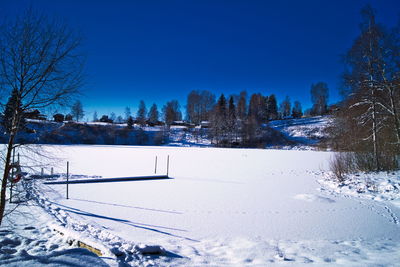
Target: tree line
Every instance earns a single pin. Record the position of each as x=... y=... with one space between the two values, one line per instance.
x=201 y=105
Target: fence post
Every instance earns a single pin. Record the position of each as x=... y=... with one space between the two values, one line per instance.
x=67 y=178
x=155 y=167
x=167 y=165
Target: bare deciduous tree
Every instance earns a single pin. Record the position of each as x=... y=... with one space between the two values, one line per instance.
x=368 y=119
x=319 y=98
x=40 y=61
x=77 y=110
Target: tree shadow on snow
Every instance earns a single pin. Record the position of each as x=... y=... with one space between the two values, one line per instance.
x=126 y=206
x=143 y=226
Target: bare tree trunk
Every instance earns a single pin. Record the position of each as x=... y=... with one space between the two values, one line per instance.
x=7 y=167
x=374 y=136
x=395 y=115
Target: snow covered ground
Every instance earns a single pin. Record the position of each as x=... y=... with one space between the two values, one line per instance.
x=231 y=207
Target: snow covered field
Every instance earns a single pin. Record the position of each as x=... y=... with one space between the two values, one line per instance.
x=222 y=207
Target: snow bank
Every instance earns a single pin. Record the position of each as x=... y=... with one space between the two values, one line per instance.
x=380 y=186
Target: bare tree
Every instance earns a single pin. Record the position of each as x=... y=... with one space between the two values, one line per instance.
x=40 y=61
x=77 y=110
x=285 y=107
x=242 y=106
x=127 y=113
x=199 y=106
x=95 y=117
x=171 y=112
x=319 y=98
x=368 y=119
x=297 y=111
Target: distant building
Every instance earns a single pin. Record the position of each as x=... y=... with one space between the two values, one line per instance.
x=34 y=115
x=205 y=124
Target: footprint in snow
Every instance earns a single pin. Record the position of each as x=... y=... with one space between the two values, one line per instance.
x=313 y=198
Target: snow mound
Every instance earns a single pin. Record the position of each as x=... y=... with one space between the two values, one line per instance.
x=380 y=186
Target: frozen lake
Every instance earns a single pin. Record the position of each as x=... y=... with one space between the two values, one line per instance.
x=225 y=206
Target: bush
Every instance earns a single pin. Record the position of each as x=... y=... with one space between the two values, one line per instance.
x=341 y=164
x=351 y=162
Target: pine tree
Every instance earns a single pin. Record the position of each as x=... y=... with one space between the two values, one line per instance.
x=141 y=114
x=13 y=106
x=219 y=123
x=153 y=114
x=272 y=108
x=129 y=122
x=232 y=121
x=242 y=106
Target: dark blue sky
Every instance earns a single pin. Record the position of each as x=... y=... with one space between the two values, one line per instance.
x=161 y=50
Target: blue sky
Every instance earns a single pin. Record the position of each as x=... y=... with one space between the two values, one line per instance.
x=161 y=50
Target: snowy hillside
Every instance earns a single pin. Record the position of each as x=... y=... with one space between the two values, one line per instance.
x=304 y=131
x=222 y=207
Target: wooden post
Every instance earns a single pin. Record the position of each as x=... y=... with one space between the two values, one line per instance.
x=167 y=165
x=52 y=171
x=67 y=178
x=155 y=167
x=42 y=172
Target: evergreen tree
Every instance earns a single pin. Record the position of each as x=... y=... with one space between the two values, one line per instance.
x=141 y=114
x=272 y=107
x=129 y=122
x=153 y=114
x=242 y=106
x=13 y=106
x=232 y=121
x=219 y=123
